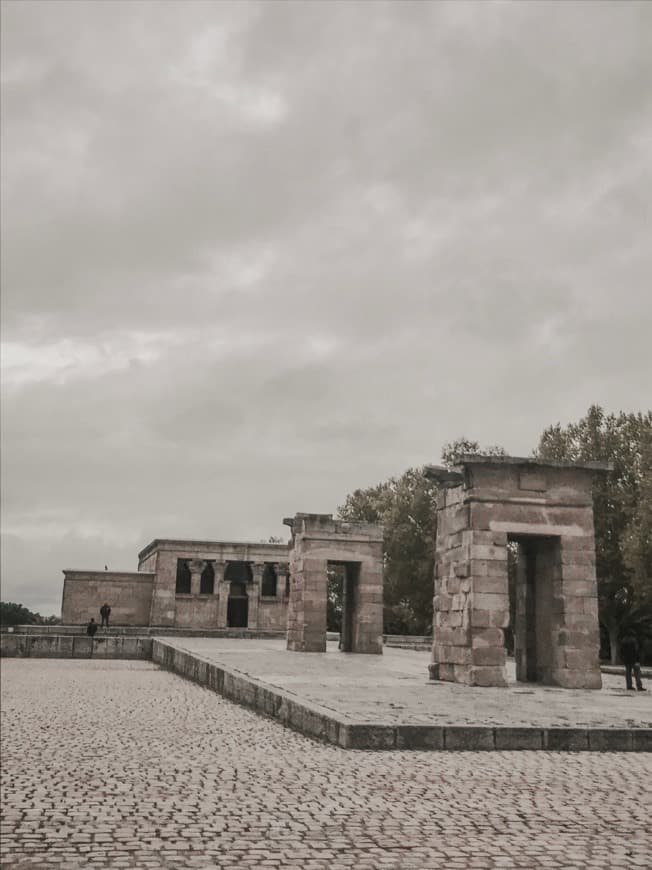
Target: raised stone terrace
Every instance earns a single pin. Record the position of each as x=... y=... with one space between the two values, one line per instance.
x=388 y=701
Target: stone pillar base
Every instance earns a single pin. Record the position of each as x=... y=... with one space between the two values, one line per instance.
x=307 y=646
x=568 y=679
x=468 y=675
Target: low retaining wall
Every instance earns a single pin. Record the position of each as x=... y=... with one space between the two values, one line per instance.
x=322 y=724
x=145 y=631
x=51 y=646
x=316 y=721
x=408 y=641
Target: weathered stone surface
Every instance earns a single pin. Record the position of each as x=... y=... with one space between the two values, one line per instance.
x=566 y=739
x=74 y=646
x=490 y=637
x=84 y=592
x=610 y=740
x=490 y=655
x=546 y=509
x=149 y=596
x=419 y=737
x=576 y=679
x=318 y=539
x=642 y=739
x=459 y=738
x=518 y=738
x=486 y=675
x=308 y=806
x=367 y=737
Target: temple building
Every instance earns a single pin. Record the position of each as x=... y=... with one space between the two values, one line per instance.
x=188 y=584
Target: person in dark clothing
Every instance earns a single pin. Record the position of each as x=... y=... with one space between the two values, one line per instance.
x=631 y=656
x=105 y=612
x=91 y=628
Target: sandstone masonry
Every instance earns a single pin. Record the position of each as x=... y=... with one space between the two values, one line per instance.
x=545 y=511
x=317 y=541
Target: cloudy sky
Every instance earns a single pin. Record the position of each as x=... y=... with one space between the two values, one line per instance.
x=255 y=256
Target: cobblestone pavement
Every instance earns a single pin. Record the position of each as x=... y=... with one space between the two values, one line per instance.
x=394 y=689
x=120 y=764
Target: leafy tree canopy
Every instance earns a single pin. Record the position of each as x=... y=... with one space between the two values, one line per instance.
x=622 y=510
x=16 y=614
x=623 y=523
x=405 y=507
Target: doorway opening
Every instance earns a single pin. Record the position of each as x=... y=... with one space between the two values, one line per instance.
x=342 y=602
x=534 y=565
x=238 y=575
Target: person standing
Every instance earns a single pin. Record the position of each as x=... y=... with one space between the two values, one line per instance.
x=105 y=612
x=631 y=656
x=91 y=628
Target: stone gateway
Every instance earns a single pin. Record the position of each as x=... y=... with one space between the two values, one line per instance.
x=543 y=513
x=319 y=541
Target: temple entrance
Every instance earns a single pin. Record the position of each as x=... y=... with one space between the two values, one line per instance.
x=327 y=556
x=536 y=566
x=343 y=593
x=237 y=612
x=238 y=575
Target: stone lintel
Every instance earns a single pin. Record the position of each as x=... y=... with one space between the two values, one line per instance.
x=530 y=501
x=445 y=477
x=531 y=462
x=125 y=576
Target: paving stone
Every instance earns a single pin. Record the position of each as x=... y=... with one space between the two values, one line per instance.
x=138 y=768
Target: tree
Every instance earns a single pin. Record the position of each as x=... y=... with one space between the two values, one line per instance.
x=405 y=506
x=622 y=511
x=453 y=451
x=16 y=614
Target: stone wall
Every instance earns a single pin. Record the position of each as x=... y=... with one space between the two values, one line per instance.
x=547 y=506
x=196 y=611
x=199 y=611
x=128 y=593
x=272 y=612
x=52 y=646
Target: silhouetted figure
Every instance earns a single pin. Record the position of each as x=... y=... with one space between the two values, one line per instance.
x=105 y=612
x=91 y=628
x=631 y=656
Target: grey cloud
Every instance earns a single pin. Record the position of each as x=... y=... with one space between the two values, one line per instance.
x=258 y=255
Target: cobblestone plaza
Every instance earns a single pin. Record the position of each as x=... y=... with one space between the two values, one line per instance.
x=120 y=764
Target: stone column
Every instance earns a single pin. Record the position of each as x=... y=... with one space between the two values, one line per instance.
x=367 y=633
x=196 y=567
x=282 y=569
x=254 y=594
x=222 y=589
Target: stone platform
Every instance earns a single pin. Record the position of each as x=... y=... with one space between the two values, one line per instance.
x=388 y=702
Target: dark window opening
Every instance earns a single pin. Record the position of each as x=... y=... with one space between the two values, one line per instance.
x=183 y=577
x=237 y=613
x=207 y=583
x=240 y=572
x=269 y=582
